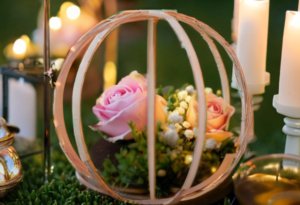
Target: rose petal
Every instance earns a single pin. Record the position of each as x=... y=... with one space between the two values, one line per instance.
x=118 y=124
x=125 y=136
x=210 y=96
x=214 y=108
x=121 y=92
x=140 y=79
x=219 y=136
x=192 y=112
x=211 y=116
x=160 y=114
x=110 y=94
x=103 y=114
x=123 y=103
x=109 y=111
x=217 y=123
x=137 y=113
x=230 y=111
x=131 y=82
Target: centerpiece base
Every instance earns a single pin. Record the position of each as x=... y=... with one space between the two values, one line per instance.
x=101 y=149
x=213 y=196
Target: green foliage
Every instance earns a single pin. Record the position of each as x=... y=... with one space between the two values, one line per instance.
x=159 y=91
x=227 y=201
x=64 y=188
x=132 y=169
x=227 y=146
x=174 y=154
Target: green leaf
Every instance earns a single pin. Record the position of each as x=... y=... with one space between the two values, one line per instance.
x=102 y=134
x=108 y=165
x=159 y=91
x=169 y=90
x=227 y=201
x=37 y=201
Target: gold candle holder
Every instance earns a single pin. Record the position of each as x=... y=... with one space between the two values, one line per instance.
x=11 y=171
x=269 y=180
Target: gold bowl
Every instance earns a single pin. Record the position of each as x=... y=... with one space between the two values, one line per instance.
x=269 y=180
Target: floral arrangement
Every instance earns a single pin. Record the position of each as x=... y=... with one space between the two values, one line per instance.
x=121 y=110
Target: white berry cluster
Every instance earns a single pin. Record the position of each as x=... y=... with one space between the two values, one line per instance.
x=177 y=127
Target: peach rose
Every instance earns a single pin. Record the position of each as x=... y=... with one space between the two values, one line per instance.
x=125 y=102
x=217 y=117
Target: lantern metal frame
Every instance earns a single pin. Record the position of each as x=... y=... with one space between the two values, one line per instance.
x=31 y=72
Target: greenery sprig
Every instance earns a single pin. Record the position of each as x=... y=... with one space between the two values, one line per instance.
x=173 y=156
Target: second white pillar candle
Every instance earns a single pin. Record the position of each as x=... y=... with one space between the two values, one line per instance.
x=289 y=85
x=252 y=42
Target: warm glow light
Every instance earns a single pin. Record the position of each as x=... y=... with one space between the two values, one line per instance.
x=55 y=23
x=296 y=20
x=19 y=46
x=110 y=74
x=73 y=12
x=291 y=169
x=64 y=7
x=271 y=166
x=254 y=2
x=213 y=169
x=26 y=39
x=188 y=159
x=58 y=63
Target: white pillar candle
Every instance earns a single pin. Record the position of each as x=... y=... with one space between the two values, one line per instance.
x=289 y=84
x=235 y=20
x=21 y=106
x=252 y=42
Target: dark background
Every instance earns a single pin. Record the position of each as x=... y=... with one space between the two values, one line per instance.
x=19 y=17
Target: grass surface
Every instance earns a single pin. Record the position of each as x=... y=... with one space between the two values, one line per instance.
x=63 y=188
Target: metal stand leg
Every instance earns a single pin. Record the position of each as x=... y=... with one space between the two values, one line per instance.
x=5 y=97
x=47 y=98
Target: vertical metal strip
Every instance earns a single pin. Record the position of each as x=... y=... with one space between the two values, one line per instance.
x=5 y=97
x=151 y=46
x=198 y=79
x=47 y=159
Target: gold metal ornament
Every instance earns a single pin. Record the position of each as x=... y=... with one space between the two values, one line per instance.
x=11 y=171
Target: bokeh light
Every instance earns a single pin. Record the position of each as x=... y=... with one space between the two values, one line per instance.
x=55 y=23
x=73 y=12
x=110 y=74
x=19 y=46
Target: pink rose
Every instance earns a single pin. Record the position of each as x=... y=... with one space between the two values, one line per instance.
x=125 y=102
x=217 y=117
